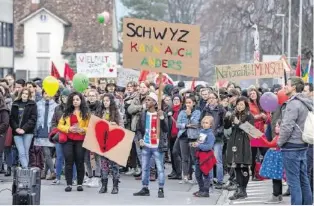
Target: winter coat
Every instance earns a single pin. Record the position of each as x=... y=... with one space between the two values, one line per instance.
x=239 y=141
x=65 y=124
x=294 y=113
x=258 y=124
x=163 y=139
x=218 y=113
x=28 y=120
x=184 y=119
x=93 y=107
x=4 y=125
x=127 y=102
x=59 y=110
x=209 y=140
x=135 y=109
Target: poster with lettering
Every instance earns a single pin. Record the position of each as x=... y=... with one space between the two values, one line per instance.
x=127 y=75
x=161 y=47
x=97 y=65
x=259 y=70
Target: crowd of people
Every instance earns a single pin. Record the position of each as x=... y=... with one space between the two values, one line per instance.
x=200 y=135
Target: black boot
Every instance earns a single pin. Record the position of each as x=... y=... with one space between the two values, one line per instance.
x=115 y=188
x=143 y=192
x=104 y=184
x=8 y=172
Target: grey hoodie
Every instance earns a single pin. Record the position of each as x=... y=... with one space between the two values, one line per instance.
x=294 y=113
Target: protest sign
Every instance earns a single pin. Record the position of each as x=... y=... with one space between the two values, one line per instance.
x=127 y=75
x=250 y=71
x=110 y=141
x=97 y=65
x=161 y=47
x=251 y=130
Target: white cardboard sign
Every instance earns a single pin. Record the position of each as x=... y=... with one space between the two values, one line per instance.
x=127 y=75
x=97 y=65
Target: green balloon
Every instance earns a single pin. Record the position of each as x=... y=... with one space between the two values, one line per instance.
x=101 y=18
x=80 y=82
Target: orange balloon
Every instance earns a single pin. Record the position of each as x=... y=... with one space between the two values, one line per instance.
x=282 y=97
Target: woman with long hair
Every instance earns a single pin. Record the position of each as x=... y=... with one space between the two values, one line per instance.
x=108 y=110
x=260 y=119
x=239 y=156
x=23 y=120
x=74 y=123
x=59 y=110
x=188 y=125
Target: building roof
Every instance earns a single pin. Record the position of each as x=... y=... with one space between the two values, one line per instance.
x=82 y=31
x=34 y=13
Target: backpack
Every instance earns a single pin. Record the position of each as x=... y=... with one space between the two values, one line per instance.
x=307 y=134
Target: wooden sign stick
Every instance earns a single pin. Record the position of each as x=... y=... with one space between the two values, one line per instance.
x=159 y=102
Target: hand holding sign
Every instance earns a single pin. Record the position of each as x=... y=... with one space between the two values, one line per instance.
x=108 y=140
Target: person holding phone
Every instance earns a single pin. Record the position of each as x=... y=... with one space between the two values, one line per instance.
x=188 y=124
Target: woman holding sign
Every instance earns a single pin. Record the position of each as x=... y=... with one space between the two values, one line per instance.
x=74 y=123
x=108 y=110
x=239 y=155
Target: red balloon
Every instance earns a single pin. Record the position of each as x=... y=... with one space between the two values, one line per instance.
x=282 y=97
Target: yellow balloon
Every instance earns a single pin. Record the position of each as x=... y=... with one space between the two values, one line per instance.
x=51 y=85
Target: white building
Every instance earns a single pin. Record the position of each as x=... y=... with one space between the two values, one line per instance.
x=43 y=41
x=47 y=31
x=6 y=37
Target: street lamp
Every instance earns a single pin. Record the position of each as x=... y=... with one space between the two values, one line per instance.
x=283 y=33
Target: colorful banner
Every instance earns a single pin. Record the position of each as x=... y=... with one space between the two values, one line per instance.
x=97 y=65
x=161 y=47
x=250 y=71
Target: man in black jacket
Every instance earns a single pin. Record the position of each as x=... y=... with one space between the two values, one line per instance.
x=151 y=144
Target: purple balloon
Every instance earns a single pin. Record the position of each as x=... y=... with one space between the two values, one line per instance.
x=269 y=102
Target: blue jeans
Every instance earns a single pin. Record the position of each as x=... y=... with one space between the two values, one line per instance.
x=147 y=153
x=60 y=162
x=310 y=165
x=23 y=143
x=298 y=181
x=219 y=165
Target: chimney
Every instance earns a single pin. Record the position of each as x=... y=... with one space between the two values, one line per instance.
x=35 y=5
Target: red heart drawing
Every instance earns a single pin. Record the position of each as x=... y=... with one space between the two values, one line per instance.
x=110 y=70
x=107 y=139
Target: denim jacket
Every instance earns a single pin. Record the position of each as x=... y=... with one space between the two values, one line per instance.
x=41 y=113
x=183 y=120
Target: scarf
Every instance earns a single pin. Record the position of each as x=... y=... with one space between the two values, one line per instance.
x=174 y=129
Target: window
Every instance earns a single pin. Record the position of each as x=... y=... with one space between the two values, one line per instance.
x=43 y=63
x=6 y=34
x=43 y=42
x=5 y=71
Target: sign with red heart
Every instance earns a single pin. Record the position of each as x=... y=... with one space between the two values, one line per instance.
x=110 y=141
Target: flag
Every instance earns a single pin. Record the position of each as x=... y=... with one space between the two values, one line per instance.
x=54 y=71
x=143 y=76
x=298 y=68
x=68 y=73
x=193 y=84
x=308 y=73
